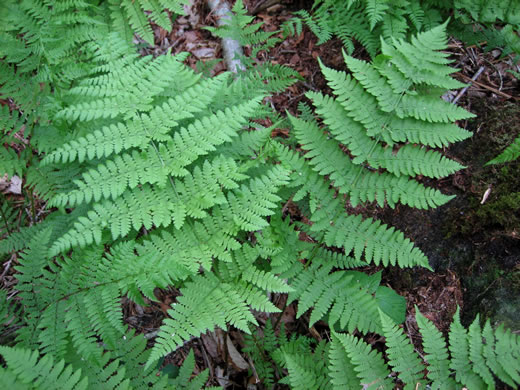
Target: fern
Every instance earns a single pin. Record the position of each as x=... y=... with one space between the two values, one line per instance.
x=154 y=176
x=512 y=152
x=26 y=370
x=365 y=21
x=361 y=364
x=223 y=300
x=351 y=298
x=132 y=16
x=361 y=118
x=472 y=357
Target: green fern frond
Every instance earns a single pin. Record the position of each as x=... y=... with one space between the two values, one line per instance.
x=436 y=354
x=460 y=352
x=474 y=357
x=372 y=371
x=401 y=354
x=206 y=303
x=347 y=297
x=512 y=152
x=132 y=12
x=222 y=301
x=306 y=373
x=379 y=243
x=341 y=370
x=26 y=369
x=375 y=11
x=328 y=159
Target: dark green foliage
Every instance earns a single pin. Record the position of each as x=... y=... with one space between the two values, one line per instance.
x=365 y=21
x=512 y=152
x=473 y=356
x=474 y=359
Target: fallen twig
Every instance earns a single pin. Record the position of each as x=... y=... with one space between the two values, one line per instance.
x=230 y=47
x=463 y=90
x=494 y=90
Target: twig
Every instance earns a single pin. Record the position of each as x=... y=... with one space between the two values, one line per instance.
x=263 y=6
x=206 y=358
x=253 y=368
x=230 y=47
x=463 y=91
x=494 y=90
x=151 y=335
x=8 y=265
x=4 y=217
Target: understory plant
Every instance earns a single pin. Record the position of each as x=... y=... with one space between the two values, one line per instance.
x=154 y=176
x=494 y=23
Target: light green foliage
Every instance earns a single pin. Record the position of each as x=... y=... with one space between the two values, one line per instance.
x=212 y=300
x=137 y=145
x=25 y=369
x=361 y=363
x=372 y=108
x=365 y=21
x=131 y=16
x=401 y=355
x=436 y=354
x=240 y=27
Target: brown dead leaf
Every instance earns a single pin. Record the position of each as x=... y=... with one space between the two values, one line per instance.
x=234 y=357
x=11 y=186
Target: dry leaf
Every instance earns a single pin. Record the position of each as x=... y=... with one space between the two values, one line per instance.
x=236 y=358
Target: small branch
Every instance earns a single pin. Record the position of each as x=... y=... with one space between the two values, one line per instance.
x=463 y=91
x=263 y=6
x=230 y=47
x=4 y=217
x=494 y=90
x=7 y=266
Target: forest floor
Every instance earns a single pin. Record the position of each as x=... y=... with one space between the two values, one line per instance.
x=473 y=242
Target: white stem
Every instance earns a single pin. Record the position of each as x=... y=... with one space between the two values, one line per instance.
x=230 y=47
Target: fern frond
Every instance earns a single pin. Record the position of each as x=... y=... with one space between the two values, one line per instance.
x=206 y=303
x=140 y=131
x=184 y=378
x=375 y=10
x=371 y=369
x=512 y=152
x=436 y=352
x=379 y=243
x=341 y=369
x=460 y=356
x=27 y=369
x=401 y=354
x=328 y=159
x=348 y=297
x=306 y=373
x=222 y=301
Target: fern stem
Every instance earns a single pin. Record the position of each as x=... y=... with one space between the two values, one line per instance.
x=33 y=207
x=4 y=217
